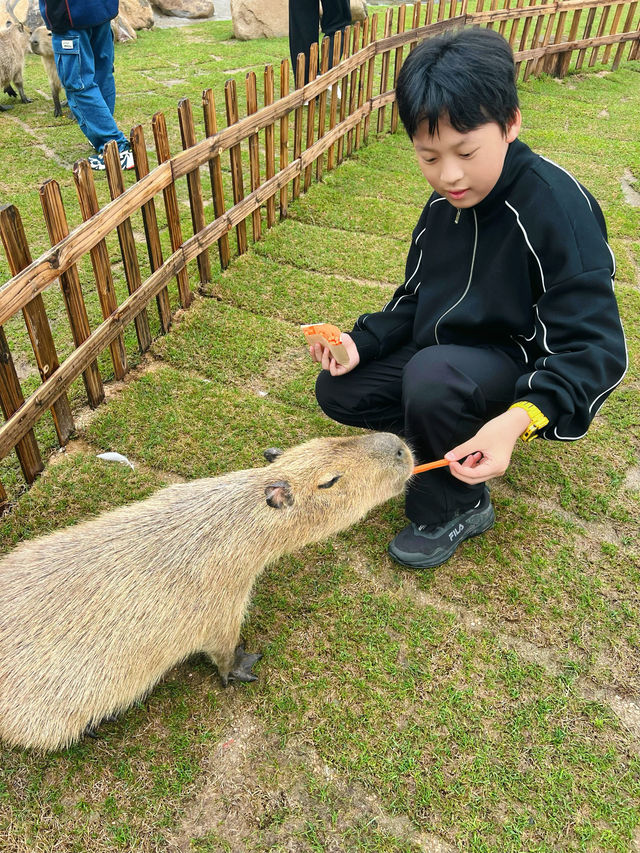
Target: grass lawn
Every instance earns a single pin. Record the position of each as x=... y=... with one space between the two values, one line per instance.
x=490 y=705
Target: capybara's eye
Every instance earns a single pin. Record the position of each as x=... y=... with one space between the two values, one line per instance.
x=330 y=482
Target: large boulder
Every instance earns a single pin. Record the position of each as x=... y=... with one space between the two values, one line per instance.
x=358 y=10
x=253 y=19
x=26 y=11
x=185 y=8
x=138 y=13
x=132 y=15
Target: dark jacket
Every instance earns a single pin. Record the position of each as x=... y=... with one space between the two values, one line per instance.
x=60 y=16
x=529 y=270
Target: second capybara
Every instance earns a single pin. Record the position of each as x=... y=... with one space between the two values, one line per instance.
x=92 y=616
x=41 y=44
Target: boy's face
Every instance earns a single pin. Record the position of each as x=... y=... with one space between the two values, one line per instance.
x=463 y=167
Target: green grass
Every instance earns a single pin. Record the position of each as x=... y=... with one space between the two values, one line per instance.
x=487 y=706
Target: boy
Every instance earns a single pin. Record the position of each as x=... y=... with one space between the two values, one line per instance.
x=506 y=325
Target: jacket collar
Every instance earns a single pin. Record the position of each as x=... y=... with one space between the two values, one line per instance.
x=517 y=159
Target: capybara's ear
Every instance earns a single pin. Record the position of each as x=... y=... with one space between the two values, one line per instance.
x=279 y=494
x=272 y=453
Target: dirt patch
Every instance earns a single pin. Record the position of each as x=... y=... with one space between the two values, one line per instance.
x=259 y=792
x=629 y=182
x=633 y=479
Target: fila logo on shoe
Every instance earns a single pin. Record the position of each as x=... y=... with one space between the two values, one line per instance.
x=456 y=532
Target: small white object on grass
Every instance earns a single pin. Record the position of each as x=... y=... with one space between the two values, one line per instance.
x=116 y=457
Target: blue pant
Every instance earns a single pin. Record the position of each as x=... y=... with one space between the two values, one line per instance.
x=84 y=60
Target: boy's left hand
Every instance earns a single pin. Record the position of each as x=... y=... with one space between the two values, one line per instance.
x=488 y=453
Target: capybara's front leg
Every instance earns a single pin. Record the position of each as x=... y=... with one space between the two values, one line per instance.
x=234 y=665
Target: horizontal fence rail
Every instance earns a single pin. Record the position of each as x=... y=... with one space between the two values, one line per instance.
x=272 y=154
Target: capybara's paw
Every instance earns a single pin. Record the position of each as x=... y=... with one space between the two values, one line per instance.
x=242 y=666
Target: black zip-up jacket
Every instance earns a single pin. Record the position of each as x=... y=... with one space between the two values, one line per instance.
x=64 y=15
x=528 y=270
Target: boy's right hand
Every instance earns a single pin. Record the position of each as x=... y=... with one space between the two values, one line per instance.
x=322 y=355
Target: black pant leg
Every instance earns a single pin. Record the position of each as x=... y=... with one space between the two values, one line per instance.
x=304 y=27
x=336 y=15
x=369 y=396
x=449 y=392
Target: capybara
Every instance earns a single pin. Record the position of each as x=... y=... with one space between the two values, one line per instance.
x=41 y=44
x=14 y=43
x=92 y=616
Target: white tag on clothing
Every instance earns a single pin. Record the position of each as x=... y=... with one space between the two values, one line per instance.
x=66 y=44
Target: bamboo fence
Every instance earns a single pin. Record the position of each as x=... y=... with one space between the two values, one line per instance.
x=306 y=129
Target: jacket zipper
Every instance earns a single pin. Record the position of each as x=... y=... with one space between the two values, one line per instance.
x=473 y=261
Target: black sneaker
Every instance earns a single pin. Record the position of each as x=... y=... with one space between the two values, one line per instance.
x=423 y=546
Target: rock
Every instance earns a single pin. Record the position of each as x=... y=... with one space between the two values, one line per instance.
x=133 y=15
x=254 y=19
x=185 y=8
x=358 y=10
x=138 y=13
x=26 y=11
x=122 y=29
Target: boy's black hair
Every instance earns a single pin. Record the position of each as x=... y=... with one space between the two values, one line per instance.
x=467 y=76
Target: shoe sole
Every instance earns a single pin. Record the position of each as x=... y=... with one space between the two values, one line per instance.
x=444 y=554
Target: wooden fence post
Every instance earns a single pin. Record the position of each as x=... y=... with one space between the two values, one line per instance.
x=587 y=33
x=361 y=82
x=627 y=26
x=384 y=74
x=196 y=204
x=284 y=138
x=11 y=399
x=353 y=85
x=322 y=108
x=396 y=68
x=269 y=143
x=86 y=190
x=127 y=242
x=311 y=110
x=19 y=257
x=601 y=28
x=58 y=229
x=150 y=221
x=415 y=23
x=344 y=83
x=297 y=123
x=163 y=153
x=333 y=106
x=251 y=89
x=215 y=174
x=370 y=73
x=235 y=156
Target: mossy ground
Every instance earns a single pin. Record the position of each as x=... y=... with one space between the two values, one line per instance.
x=490 y=705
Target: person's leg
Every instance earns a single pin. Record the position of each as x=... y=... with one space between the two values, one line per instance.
x=369 y=396
x=449 y=392
x=101 y=39
x=336 y=15
x=304 y=27
x=76 y=69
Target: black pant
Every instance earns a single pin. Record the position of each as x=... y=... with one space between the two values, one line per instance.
x=304 y=25
x=435 y=398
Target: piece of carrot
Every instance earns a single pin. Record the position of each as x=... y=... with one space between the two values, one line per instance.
x=427 y=466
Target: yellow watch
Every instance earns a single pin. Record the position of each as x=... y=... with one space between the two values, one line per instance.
x=538 y=420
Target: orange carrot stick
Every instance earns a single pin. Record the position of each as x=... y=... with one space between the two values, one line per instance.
x=440 y=463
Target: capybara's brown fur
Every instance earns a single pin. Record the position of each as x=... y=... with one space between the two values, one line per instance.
x=92 y=616
x=14 y=43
